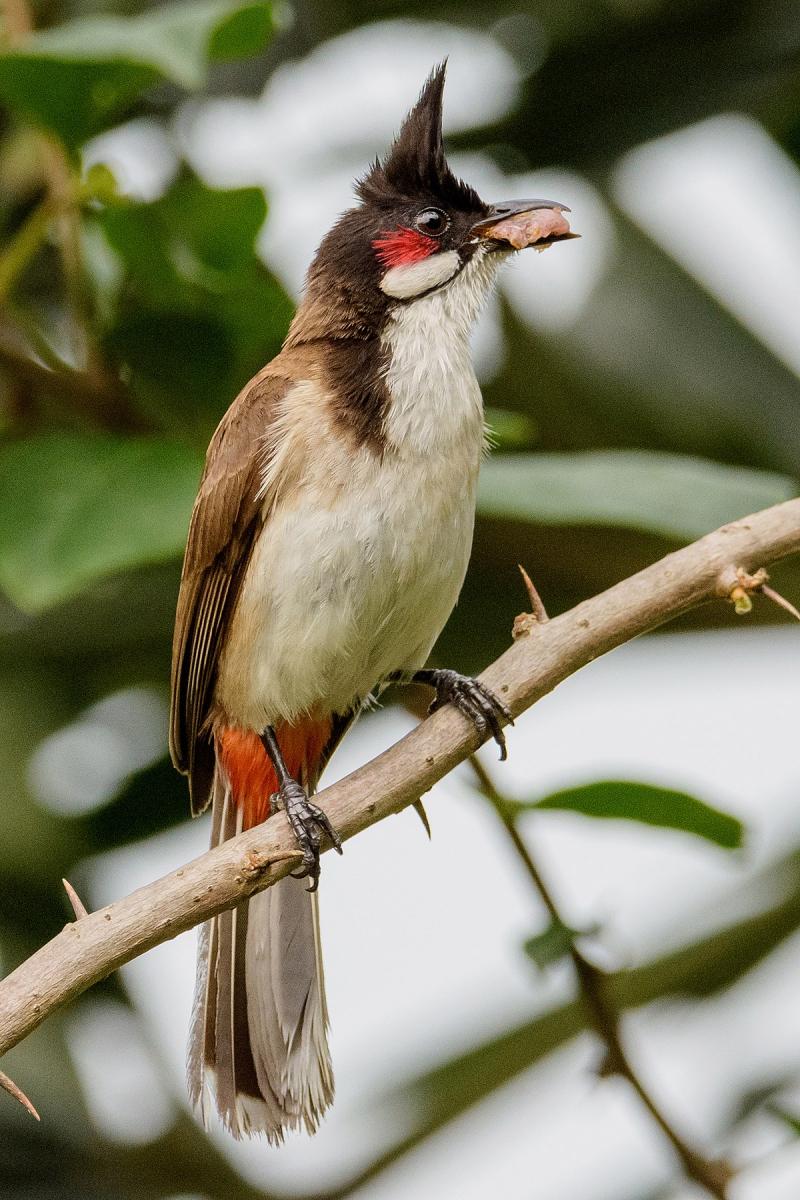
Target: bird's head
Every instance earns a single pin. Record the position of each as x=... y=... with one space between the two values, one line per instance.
x=419 y=229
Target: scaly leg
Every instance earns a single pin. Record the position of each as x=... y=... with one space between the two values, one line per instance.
x=305 y=818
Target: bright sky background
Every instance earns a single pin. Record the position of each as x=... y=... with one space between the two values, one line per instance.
x=420 y=960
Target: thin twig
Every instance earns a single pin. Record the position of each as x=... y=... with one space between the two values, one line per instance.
x=780 y=600
x=88 y=950
x=712 y=1174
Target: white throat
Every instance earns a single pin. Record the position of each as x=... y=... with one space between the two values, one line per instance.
x=435 y=398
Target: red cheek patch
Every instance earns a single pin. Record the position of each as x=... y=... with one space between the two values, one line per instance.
x=402 y=246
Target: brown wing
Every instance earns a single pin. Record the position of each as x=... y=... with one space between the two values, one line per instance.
x=225 y=519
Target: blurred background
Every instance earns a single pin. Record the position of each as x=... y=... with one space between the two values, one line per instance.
x=166 y=172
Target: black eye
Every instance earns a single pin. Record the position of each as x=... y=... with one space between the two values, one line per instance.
x=432 y=221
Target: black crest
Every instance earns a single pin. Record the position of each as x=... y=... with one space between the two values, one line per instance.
x=416 y=165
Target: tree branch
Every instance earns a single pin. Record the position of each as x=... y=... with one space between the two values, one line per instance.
x=90 y=948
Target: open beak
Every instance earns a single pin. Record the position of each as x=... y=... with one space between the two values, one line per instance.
x=520 y=223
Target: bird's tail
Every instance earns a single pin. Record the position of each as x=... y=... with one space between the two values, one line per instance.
x=259 y=1029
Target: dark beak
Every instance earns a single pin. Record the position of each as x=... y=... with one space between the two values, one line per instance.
x=520 y=223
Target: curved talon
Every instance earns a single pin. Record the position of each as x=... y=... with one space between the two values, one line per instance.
x=474 y=699
x=306 y=820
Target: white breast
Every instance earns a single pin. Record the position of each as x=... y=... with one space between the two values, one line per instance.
x=362 y=559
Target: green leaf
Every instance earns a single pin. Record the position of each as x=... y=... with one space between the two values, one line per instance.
x=191 y=235
x=663 y=807
x=669 y=494
x=77 y=78
x=510 y=430
x=75 y=508
x=100 y=183
x=791 y=1121
x=552 y=944
x=192 y=283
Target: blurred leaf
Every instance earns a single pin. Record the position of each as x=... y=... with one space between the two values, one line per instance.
x=180 y=367
x=661 y=493
x=198 y=313
x=509 y=430
x=77 y=78
x=100 y=183
x=193 y=235
x=74 y=508
x=649 y=69
x=34 y=700
x=120 y=629
x=791 y=1121
x=153 y=800
x=757 y=1096
x=622 y=800
x=553 y=944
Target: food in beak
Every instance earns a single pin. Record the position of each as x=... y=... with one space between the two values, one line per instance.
x=539 y=227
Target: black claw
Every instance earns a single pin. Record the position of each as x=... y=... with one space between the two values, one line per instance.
x=322 y=820
x=306 y=820
x=474 y=700
x=498 y=735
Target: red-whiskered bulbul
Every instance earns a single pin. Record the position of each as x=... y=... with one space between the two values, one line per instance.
x=327 y=547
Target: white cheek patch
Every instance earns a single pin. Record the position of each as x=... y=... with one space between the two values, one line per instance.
x=402 y=283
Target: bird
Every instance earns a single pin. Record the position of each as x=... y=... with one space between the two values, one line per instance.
x=326 y=550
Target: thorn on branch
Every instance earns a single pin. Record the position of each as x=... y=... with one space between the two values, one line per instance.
x=9 y=1086
x=419 y=809
x=538 y=614
x=78 y=907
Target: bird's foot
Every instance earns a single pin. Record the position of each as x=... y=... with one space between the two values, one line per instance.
x=308 y=821
x=472 y=698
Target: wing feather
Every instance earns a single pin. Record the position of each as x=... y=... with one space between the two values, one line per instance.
x=226 y=518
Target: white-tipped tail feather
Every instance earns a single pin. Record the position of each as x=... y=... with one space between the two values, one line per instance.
x=259 y=1030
